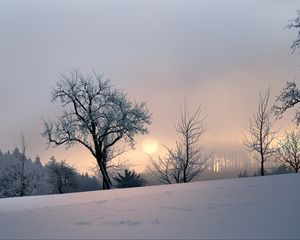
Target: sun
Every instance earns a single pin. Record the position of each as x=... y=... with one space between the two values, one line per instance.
x=150 y=145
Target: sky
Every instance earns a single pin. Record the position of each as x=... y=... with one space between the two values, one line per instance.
x=217 y=54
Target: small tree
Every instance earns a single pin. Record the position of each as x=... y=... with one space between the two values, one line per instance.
x=129 y=179
x=21 y=176
x=62 y=178
x=97 y=116
x=289 y=150
x=186 y=160
x=260 y=136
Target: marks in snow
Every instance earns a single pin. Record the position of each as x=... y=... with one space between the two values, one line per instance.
x=229 y=205
x=129 y=223
x=155 y=221
x=83 y=223
x=120 y=223
x=246 y=204
x=131 y=209
x=222 y=223
x=178 y=209
x=211 y=206
x=48 y=209
x=254 y=185
x=169 y=193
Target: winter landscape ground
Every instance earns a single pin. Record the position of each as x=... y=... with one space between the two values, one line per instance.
x=248 y=208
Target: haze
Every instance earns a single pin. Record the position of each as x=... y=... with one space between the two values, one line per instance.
x=219 y=54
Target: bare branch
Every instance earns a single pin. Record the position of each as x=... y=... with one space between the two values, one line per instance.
x=96 y=116
x=187 y=160
x=260 y=134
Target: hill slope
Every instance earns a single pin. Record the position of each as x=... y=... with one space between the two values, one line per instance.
x=261 y=207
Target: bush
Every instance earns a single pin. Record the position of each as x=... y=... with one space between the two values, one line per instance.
x=129 y=179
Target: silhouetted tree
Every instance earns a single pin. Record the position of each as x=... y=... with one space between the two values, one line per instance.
x=87 y=183
x=129 y=179
x=22 y=159
x=290 y=95
x=260 y=135
x=288 y=150
x=186 y=160
x=295 y=23
x=61 y=177
x=288 y=98
x=96 y=116
x=281 y=169
x=162 y=169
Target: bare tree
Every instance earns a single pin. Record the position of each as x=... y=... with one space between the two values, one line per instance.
x=290 y=95
x=96 y=116
x=288 y=98
x=61 y=176
x=23 y=159
x=289 y=150
x=260 y=136
x=161 y=169
x=186 y=160
x=295 y=23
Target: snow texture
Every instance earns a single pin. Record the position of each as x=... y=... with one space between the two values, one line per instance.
x=248 y=208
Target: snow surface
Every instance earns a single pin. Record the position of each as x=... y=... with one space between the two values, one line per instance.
x=260 y=207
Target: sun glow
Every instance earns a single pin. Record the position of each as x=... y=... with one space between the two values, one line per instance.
x=150 y=145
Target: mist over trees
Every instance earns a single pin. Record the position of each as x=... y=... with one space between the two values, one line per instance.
x=97 y=116
x=261 y=136
x=19 y=176
x=37 y=179
x=106 y=121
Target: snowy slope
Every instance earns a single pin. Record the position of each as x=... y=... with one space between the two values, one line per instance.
x=260 y=207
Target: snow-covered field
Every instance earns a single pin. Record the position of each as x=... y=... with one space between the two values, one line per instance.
x=260 y=207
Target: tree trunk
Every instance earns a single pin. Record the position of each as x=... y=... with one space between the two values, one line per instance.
x=262 y=173
x=184 y=175
x=106 y=183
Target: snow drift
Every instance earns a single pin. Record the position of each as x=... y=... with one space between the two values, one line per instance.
x=260 y=207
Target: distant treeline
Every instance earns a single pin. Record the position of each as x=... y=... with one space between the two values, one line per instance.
x=21 y=176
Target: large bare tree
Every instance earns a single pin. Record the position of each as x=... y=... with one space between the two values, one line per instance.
x=288 y=98
x=295 y=23
x=259 y=135
x=96 y=115
x=290 y=95
x=187 y=159
x=62 y=178
x=289 y=150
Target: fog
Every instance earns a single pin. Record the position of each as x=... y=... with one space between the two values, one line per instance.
x=219 y=54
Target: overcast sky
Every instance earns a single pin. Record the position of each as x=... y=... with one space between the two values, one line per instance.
x=219 y=54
